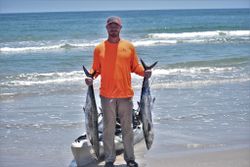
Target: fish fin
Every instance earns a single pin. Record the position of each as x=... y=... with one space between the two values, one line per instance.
x=83 y=109
x=149 y=127
x=138 y=104
x=146 y=67
x=153 y=99
x=139 y=111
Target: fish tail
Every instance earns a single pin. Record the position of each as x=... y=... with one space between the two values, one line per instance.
x=87 y=72
x=146 y=67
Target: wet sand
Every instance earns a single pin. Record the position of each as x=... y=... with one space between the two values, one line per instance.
x=199 y=158
x=230 y=158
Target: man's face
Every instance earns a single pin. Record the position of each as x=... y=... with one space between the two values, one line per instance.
x=113 y=29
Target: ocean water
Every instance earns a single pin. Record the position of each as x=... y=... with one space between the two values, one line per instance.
x=201 y=82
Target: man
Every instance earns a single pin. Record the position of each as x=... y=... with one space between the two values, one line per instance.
x=115 y=59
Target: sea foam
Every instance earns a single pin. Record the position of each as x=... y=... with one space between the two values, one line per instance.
x=199 y=35
x=151 y=39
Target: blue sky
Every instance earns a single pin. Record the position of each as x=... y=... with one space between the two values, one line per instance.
x=16 y=6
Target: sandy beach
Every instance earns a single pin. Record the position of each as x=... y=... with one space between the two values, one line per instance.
x=231 y=157
x=228 y=158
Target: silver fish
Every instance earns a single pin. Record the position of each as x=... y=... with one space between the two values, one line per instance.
x=145 y=107
x=91 y=117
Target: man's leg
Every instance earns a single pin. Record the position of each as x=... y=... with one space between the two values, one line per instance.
x=125 y=108
x=109 y=120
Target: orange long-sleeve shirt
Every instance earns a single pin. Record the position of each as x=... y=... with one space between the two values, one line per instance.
x=115 y=63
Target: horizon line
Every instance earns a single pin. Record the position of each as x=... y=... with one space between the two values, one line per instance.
x=122 y=10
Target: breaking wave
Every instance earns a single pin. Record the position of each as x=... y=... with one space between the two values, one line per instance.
x=46 y=47
x=201 y=35
x=196 y=37
x=29 y=79
x=151 y=39
x=161 y=75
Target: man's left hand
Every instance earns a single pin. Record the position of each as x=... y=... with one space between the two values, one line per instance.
x=147 y=73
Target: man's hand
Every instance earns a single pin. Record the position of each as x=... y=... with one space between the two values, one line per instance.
x=89 y=81
x=147 y=73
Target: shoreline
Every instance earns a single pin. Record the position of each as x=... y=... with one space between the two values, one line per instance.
x=229 y=157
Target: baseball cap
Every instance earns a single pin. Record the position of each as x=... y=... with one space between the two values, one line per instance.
x=114 y=19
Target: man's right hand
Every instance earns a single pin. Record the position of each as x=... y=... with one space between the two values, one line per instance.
x=89 y=81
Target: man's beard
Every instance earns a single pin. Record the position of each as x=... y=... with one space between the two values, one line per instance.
x=114 y=34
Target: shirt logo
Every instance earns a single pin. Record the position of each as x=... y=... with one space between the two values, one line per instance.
x=124 y=50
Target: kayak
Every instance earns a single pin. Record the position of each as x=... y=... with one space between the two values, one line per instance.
x=82 y=149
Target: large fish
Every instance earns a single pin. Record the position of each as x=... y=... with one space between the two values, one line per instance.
x=91 y=117
x=145 y=107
